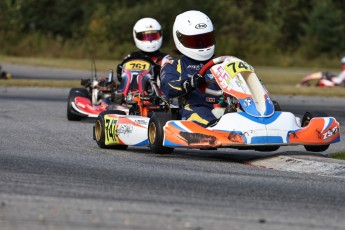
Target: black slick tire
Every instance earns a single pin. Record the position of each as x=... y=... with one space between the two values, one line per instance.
x=156 y=133
x=73 y=115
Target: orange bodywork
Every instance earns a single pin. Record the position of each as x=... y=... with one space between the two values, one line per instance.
x=198 y=136
x=317 y=132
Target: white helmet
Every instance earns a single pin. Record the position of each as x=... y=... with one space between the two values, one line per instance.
x=343 y=60
x=194 y=35
x=147 y=35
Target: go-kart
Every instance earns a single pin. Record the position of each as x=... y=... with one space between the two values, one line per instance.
x=136 y=93
x=251 y=120
x=320 y=79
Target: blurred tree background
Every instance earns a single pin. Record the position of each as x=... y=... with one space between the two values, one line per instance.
x=265 y=32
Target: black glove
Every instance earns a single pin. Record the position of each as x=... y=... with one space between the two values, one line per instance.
x=194 y=82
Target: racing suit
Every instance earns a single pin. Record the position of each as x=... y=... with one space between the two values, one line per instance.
x=194 y=105
x=156 y=58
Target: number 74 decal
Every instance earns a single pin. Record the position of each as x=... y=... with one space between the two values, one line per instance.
x=237 y=67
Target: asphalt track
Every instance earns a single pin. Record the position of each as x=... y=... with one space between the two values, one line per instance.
x=54 y=176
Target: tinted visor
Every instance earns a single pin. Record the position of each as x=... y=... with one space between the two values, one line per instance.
x=199 y=41
x=148 y=35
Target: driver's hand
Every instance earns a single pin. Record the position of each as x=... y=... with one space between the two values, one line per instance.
x=197 y=80
x=194 y=82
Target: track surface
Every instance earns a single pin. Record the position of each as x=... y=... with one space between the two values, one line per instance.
x=54 y=176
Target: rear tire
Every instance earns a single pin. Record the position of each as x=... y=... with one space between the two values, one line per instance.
x=73 y=115
x=99 y=131
x=156 y=133
x=305 y=121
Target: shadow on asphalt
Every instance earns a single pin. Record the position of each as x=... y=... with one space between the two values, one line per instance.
x=230 y=155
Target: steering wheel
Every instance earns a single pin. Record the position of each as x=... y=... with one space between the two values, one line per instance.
x=203 y=70
x=211 y=63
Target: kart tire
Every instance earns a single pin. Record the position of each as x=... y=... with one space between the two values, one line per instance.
x=269 y=148
x=276 y=106
x=73 y=115
x=99 y=131
x=305 y=121
x=156 y=133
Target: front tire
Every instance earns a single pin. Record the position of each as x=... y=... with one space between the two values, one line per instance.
x=305 y=121
x=269 y=148
x=156 y=133
x=99 y=131
x=73 y=115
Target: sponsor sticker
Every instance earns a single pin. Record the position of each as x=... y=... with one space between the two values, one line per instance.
x=141 y=122
x=210 y=99
x=247 y=102
x=124 y=129
x=201 y=26
x=330 y=133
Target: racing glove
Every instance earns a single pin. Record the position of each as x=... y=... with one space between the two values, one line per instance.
x=193 y=82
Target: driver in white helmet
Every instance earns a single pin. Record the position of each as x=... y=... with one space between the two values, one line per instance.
x=340 y=78
x=194 y=37
x=147 y=34
x=148 y=37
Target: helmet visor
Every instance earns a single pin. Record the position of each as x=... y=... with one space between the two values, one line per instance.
x=151 y=35
x=199 y=41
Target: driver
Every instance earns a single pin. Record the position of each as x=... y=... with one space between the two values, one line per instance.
x=147 y=34
x=148 y=37
x=340 y=78
x=194 y=37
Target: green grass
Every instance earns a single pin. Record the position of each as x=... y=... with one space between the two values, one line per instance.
x=40 y=83
x=338 y=155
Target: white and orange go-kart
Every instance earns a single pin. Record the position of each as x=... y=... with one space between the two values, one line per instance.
x=251 y=120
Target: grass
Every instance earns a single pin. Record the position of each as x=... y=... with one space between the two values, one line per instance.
x=78 y=64
x=40 y=83
x=338 y=155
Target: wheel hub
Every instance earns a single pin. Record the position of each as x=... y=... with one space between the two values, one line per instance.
x=98 y=130
x=152 y=133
